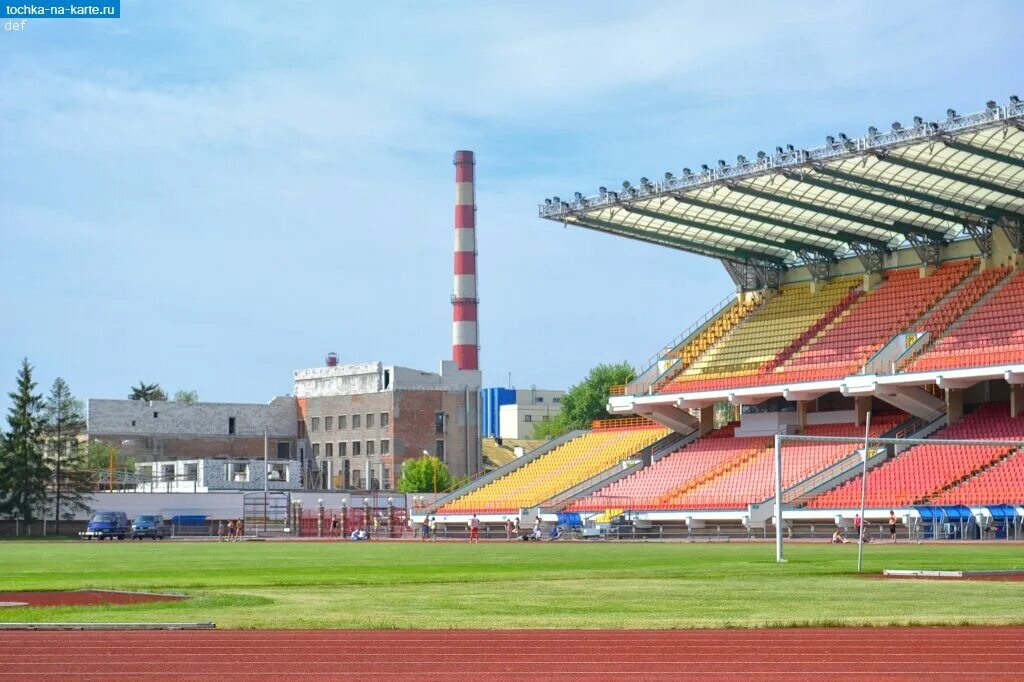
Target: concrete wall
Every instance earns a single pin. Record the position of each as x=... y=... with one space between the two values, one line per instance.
x=316 y=382
x=168 y=418
x=519 y=421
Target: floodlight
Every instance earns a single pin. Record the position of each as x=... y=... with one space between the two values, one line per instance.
x=934 y=126
x=918 y=120
x=872 y=131
x=687 y=172
x=722 y=163
x=740 y=159
x=779 y=150
x=790 y=148
x=704 y=167
x=603 y=190
x=556 y=200
x=843 y=137
x=1014 y=99
x=547 y=202
x=829 y=139
x=578 y=196
x=991 y=105
x=761 y=155
x=950 y=114
x=625 y=184
x=896 y=126
x=668 y=175
x=614 y=196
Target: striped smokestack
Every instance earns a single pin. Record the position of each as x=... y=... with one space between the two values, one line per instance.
x=464 y=301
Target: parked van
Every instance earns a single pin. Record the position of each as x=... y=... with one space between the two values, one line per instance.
x=148 y=526
x=107 y=524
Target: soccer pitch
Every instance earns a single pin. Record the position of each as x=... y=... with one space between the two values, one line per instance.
x=515 y=585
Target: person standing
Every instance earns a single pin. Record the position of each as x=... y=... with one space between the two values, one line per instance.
x=474 y=529
x=231 y=530
x=857 y=523
x=892 y=527
x=220 y=531
x=433 y=527
x=238 y=530
x=516 y=529
x=508 y=530
x=425 y=529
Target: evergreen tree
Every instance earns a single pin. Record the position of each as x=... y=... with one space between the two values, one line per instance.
x=70 y=484
x=23 y=471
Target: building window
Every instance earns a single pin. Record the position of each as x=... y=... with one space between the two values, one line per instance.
x=342 y=449
x=278 y=472
x=316 y=450
x=371 y=446
x=328 y=423
x=386 y=478
x=356 y=448
x=231 y=426
x=346 y=469
x=556 y=400
x=314 y=424
x=236 y=472
x=527 y=417
x=357 y=479
x=385 y=420
x=540 y=399
x=191 y=471
x=385 y=447
x=155 y=415
x=355 y=421
x=544 y=418
x=284 y=450
x=369 y=421
x=439 y=449
x=328 y=449
x=145 y=472
x=342 y=422
x=325 y=474
x=439 y=422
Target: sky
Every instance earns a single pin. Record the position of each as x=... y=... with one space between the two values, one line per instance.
x=210 y=195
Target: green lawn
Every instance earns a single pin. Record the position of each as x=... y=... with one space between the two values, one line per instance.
x=515 y=585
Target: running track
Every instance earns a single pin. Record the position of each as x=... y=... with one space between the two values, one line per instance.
x=819 y=654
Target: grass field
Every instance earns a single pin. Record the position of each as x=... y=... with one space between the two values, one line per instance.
x=515 y=585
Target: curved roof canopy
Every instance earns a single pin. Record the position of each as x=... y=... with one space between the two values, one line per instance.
x=927 y=182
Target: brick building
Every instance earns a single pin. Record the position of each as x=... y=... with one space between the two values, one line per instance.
x=363 y=420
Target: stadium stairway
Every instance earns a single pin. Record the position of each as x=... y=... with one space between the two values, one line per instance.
x=990 y=333
x=928 y=471
x=843 y=347
x=570 y=463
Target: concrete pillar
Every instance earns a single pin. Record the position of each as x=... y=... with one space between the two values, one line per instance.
x=871 y=281
x=1016 y=400
x=925 y=270
x=861 y=406
x=954 y=405
x=801 y=408
x=707 y=419
x=816 y=286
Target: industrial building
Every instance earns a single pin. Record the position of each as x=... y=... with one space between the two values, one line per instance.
x=514 y=413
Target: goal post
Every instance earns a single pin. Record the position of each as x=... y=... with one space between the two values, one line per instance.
x=866 y=442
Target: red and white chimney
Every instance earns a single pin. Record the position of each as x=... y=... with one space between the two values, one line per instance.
x=465 y=338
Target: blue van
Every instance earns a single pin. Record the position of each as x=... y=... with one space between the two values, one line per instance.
x=107 y=524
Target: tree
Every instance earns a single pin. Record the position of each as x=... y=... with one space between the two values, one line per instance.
x=550 y=428
x=587 y=400
x=23 y=471
x=70 y=483
x=425 y=475
x=147 y=392
x=186 y=397
x=98 y=455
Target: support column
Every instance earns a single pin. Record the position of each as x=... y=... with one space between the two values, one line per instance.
x=871 y=281
x=861 y=406
x=707 y=419
x=1016 y=400
x=801 y=408
x=954 y=405
x=925 y=270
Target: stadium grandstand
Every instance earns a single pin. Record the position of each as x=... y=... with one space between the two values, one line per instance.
x=876 y=274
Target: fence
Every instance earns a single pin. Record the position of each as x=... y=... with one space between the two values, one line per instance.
x=379 y=523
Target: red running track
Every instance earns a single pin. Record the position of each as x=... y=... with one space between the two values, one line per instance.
x=799 y=654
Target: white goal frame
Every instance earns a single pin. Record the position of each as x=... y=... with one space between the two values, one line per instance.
x=866 y=442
